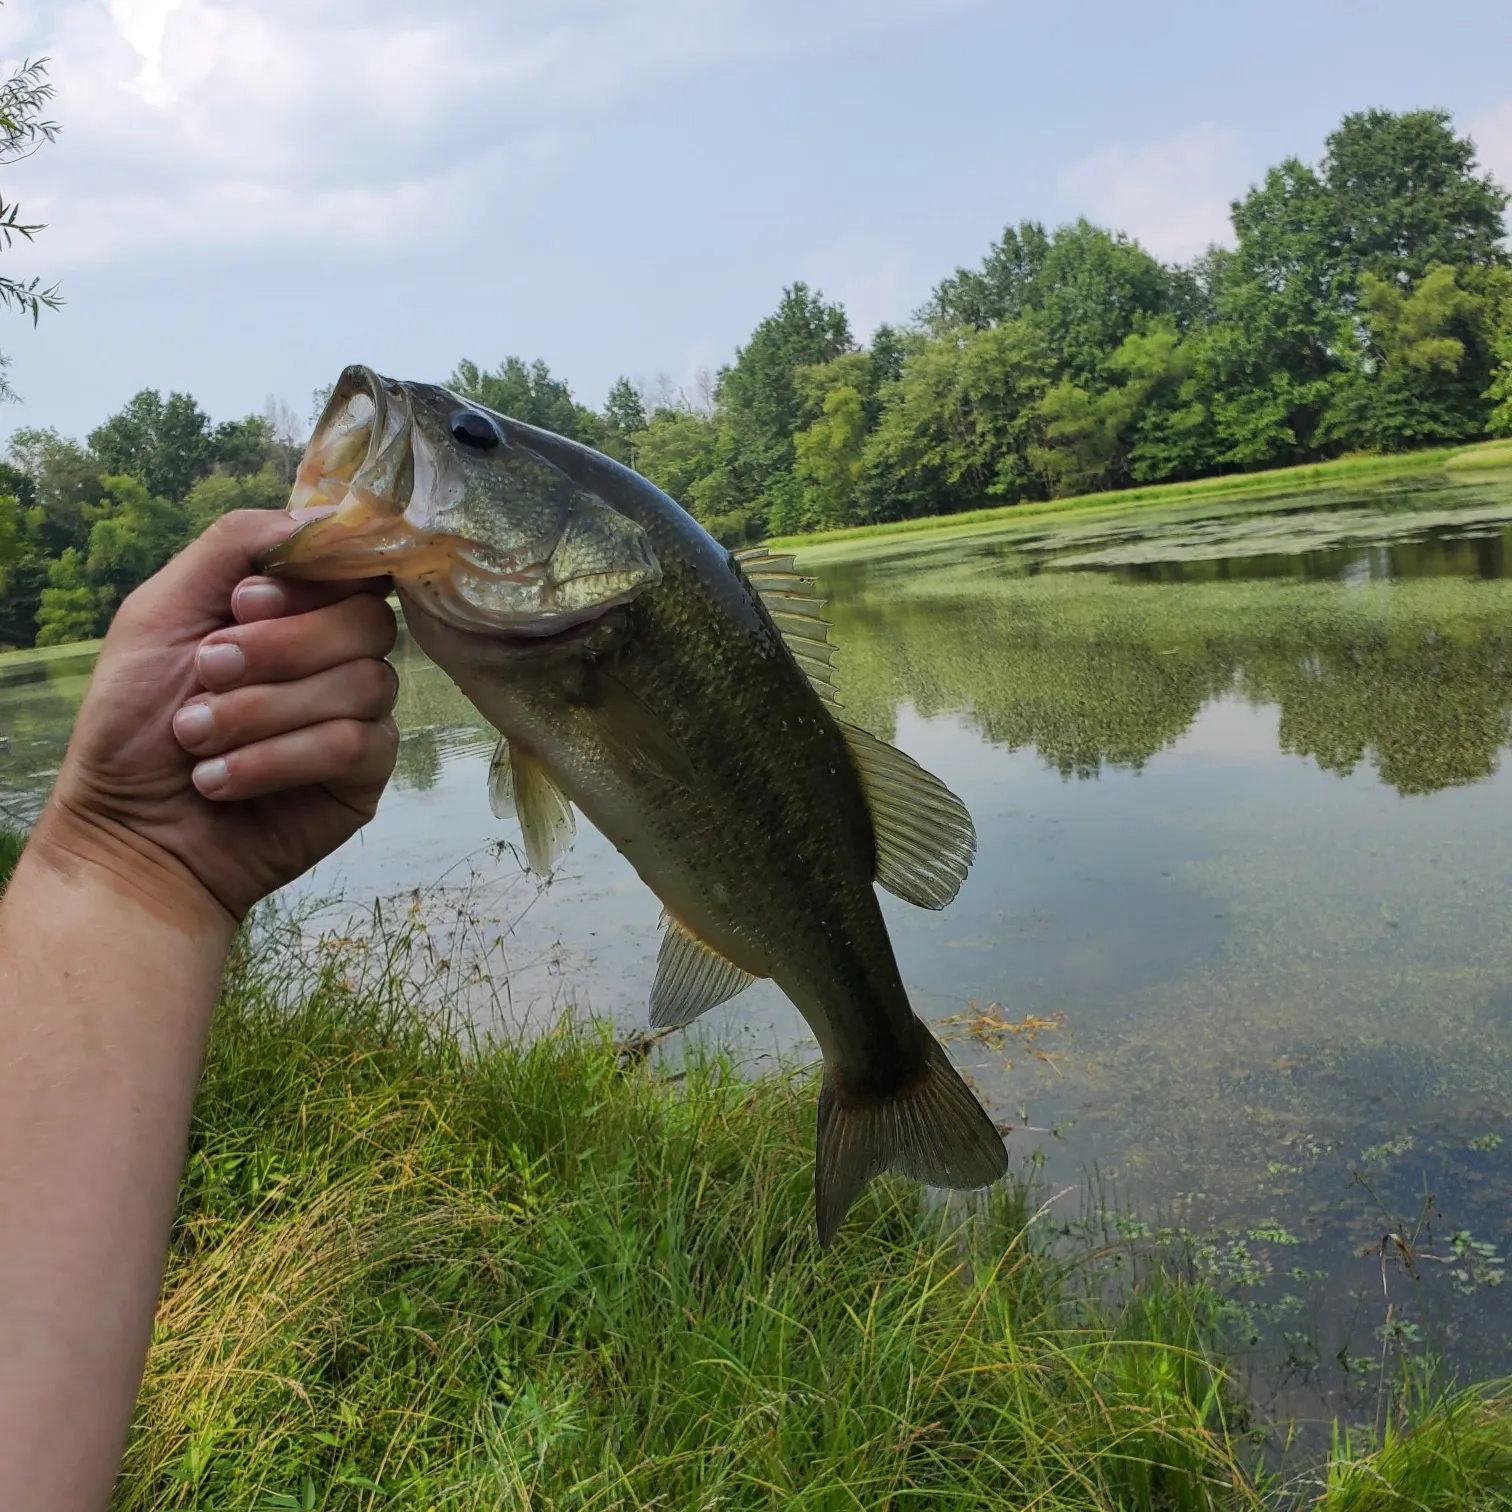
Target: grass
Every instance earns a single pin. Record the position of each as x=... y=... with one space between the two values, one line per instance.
x=18 y=663
x=1344 y=470
x=1495 y=454
x=1457 y=1459
x=412 y=1270
x=12 y=842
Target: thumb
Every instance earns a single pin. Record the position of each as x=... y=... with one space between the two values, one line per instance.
x=191 y=596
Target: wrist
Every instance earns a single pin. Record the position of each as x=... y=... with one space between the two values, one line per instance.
x=91 y=851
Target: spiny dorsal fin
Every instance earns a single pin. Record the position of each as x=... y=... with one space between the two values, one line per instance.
x=925 y=837
x=798 y=614
x=691 y=978
x=519 y=785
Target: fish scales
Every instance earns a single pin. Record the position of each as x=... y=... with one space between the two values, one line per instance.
x=670 y=710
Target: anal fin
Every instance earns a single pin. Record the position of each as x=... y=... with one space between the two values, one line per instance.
x=932 y=1128
x=691 y=978
x=925 y=838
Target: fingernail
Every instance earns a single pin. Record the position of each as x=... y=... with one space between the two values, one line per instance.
x=221 y=663
x=258 y=599
x=193 y=723
x=211 y=776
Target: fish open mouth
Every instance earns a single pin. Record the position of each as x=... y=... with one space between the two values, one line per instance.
x=352 y=491
x=521 y=551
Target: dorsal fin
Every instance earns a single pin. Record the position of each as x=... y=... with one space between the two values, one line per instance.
x=691 y=978
x=798 y=614
x=519 y=787
x=925 y=837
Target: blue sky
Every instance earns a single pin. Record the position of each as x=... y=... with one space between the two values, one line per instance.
x=249 y=194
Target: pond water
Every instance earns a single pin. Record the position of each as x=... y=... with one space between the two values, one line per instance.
x=1236 y=937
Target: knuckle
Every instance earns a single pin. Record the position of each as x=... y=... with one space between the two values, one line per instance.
x=377 y=685
x=375 y=621
x=345 y=741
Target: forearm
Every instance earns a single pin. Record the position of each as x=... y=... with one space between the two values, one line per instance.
x=109 y=972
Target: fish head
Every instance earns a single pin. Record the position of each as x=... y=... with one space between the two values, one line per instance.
x=413 y=482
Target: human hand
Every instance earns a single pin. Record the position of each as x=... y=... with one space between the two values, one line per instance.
x=236 y=729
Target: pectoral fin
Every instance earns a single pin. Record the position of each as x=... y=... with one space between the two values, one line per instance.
x=691 y=978
x=925 y=837
x=519 y=785
x=632 y=730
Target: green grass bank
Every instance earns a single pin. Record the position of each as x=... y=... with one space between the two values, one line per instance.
x=1344 y=472
x=411 y=1270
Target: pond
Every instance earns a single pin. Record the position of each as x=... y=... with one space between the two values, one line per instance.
x=1236 y=939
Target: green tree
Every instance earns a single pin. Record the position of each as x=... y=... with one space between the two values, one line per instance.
x=956 y=429
x=65 y=488
x=1406 y=198
x=1172 y=434
x=1083 y=288
x=624 y=409
x=243 y=447
x=23 y=568
x=1499 y=390
x=999 y=290
x=1083 y=447
x=1152 y=422
x=72 y=608
x=828 y=461
x=166 y=444
x=761 y=404
x=1093 y=288
x=1283 y=341
x=526 y=392
x=829 y=454
x=676 y=451
x=218 y=492
x=138 y=532
x=1428 y=364
x=623 y=419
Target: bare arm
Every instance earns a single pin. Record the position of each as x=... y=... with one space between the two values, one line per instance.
x=165 y=826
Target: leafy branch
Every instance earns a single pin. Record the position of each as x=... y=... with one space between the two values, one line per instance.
x=23 y=129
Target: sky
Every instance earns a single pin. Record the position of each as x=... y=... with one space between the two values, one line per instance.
x=247 y=195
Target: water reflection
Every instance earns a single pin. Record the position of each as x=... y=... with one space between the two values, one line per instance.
x=1271 y=932
x=1415 y=682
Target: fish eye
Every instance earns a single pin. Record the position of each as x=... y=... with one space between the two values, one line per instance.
x=475 y=430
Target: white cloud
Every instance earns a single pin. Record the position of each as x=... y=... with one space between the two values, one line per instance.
x=1172 y=195
x=1492 y=135
x=872 y=280
x=253 y=122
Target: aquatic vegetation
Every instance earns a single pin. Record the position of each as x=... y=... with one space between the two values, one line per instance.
x=1249 y=486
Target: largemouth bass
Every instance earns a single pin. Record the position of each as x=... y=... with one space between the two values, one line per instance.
x=682 y=698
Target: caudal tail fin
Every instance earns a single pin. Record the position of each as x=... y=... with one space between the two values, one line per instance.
x=932 y=1128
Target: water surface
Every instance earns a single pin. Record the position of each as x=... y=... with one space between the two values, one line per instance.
x=1236 y=936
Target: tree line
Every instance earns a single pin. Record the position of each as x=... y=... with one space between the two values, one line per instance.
x=1366 y=305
